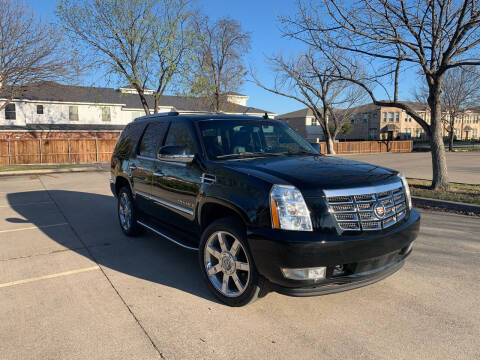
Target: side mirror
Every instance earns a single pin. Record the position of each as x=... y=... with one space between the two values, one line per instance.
x=174 y=153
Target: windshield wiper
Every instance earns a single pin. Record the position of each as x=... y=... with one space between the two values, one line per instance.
x=300 y=152
x=247 y=154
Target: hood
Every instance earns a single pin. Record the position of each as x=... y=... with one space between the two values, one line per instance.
x=312 y=174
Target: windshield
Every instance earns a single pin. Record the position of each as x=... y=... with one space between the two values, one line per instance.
x=224 y=139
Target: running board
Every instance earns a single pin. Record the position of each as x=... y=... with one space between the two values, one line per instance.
x=158 y=232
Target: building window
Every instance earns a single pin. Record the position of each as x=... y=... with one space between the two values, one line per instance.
x=10 y=113
x=474 y=133
x=384 y=117
x=417 y=133
x=365 y=117
x=106 y=114
x=73 y=113
x=397 y=117
x=373 y=133
x=40 y=109
x=390 y=117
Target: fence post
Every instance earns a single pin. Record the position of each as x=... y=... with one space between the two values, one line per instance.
x=40 y=149
x=69 y=156
x=9 y=155
x=96 y=150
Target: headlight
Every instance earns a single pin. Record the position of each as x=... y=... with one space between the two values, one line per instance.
x=407 y=190
x=288 y=209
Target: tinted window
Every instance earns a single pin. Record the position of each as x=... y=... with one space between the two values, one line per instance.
x=128 y=139
x=181 y=135
x=232 y=138
x=152 y=139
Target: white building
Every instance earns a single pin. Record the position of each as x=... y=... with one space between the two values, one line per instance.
x=63 y=107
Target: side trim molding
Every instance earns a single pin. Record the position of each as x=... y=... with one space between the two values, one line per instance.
x=165 y=203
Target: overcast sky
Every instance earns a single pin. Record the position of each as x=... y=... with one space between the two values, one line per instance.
x=260 y=18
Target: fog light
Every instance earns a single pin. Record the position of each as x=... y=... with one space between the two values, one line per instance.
x=314 y=273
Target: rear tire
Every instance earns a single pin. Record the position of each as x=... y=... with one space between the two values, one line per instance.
x=127 y=214
x=227 y=264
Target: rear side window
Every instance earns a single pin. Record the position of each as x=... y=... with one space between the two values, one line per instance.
x=128 y=139
x=152 y=139
x=180 y=134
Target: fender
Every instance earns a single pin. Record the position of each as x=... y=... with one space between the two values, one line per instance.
x=205 y=200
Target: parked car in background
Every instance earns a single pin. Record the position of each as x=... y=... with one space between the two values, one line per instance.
x=263 y=208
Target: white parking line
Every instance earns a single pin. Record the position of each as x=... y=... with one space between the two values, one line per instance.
x=51 y=276
x=33 y=227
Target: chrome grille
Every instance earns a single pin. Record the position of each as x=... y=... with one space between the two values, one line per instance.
x=354 y=209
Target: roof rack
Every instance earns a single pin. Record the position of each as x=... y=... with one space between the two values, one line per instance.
x=171 y=113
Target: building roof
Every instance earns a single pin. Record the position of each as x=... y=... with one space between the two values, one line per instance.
x=50 y=91
x=296 y=114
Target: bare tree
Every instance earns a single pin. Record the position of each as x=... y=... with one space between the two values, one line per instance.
x=218 y=62
x=30 y=52
x=143 y=42
x=432 y=37
x=460 y=90
x=314 y=82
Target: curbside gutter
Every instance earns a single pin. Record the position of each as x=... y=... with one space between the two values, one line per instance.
x=446 y=206
x=53 y=171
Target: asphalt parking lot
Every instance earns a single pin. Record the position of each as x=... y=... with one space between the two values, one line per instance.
x=463 y=167
x=73 y=287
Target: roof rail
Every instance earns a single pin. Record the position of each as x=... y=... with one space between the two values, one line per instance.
x=171 y=113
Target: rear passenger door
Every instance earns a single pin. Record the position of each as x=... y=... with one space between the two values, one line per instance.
x=144 y=167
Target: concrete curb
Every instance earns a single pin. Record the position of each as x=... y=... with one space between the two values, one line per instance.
x=51 y=171
x=447 y=206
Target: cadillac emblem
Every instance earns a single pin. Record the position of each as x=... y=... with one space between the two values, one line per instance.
x=379 y=210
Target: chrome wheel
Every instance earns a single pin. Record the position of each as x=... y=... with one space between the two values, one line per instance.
x=125 y=211
x=226 y=264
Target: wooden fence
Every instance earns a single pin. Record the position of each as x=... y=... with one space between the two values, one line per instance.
x=77 y=151
x=359 y=147
x=55 y=151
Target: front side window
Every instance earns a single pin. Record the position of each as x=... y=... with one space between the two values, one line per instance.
x=40 y=109
x=180 y=134
x=390 y=116
x=152 y=139
x=106 y=114
x=225 y=139
x=10 y=113
x=73 y=113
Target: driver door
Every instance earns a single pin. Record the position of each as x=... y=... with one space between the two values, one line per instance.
x=177 y=180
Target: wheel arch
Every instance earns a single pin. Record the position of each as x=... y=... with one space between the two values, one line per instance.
x=121 y=181
x=212 y=209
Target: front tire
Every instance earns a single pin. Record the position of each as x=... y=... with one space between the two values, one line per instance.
x=226 y=263
x=127 y=214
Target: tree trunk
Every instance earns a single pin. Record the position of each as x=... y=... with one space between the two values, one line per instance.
x=141 y=94
x=328 y=140
x=439 y=161
x=155 y=106
x=450 y=139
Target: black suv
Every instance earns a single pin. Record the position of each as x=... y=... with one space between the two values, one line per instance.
x=263 y=208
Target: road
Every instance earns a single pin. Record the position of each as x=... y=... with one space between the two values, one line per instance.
x=73 y=287
x=463 y=167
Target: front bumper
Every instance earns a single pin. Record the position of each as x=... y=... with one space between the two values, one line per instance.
x=364 y=259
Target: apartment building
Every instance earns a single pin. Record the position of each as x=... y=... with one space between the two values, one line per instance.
x=372 y=122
